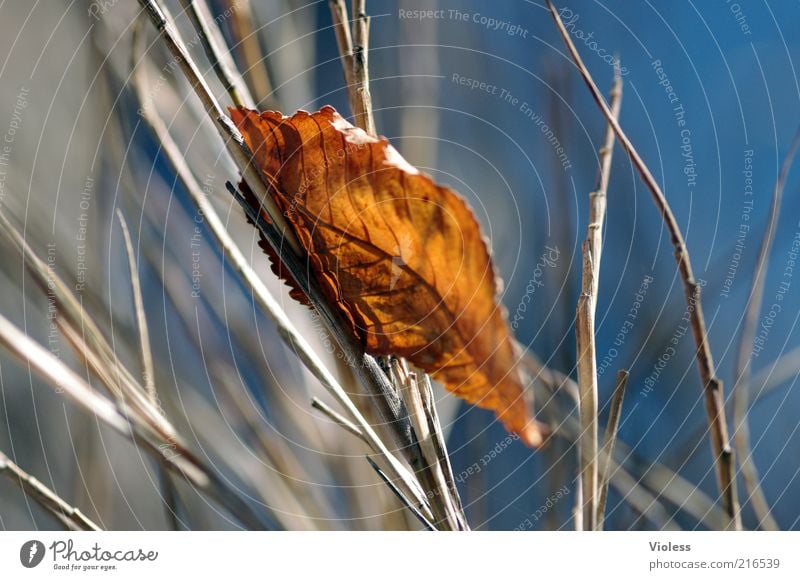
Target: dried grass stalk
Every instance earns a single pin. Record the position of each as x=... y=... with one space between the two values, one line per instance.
x=712 y=386
x=584 y=326
x=608 y=443
x=279 y=236
x=741 y=393
x=71 y=517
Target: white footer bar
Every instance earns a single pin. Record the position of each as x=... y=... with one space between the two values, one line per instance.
x=400 y=555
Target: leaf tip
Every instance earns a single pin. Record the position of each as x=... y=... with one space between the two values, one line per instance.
x=535 y=434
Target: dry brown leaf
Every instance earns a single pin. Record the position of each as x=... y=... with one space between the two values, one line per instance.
x=401 y=256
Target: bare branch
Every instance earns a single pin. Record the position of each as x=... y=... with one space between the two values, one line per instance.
x=587 y=385
x=712 y=386
x=217 y=52
x=353 y=50
x=279 y=235
x=167 y=487
x=363 y=98
x=401 y=496
x=608 y=443
x=344 y=423
x=425 y=453
x=171 y=451
x=429 y=466
x=71 y=517
x=741 y=391
x=344 y=40
x=141 y=319
x=584 y=326
x=255 y=68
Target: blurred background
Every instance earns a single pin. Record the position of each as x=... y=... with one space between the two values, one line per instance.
x=483 y=97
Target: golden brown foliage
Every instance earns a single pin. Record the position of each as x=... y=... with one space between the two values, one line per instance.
x=402 y=257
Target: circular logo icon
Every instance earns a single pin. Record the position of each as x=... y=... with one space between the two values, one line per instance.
x=31 y=553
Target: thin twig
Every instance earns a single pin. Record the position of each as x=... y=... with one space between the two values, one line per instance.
x=669 y=485
x=608 y=443
x=412 y=508
x=429 y=471
x=113 y=380
x=658 y=477
x=353 y=50
x=167 y=487
x=231 y=136
x=363 y=98
x=280 y=460
x=587 y=385
x=278 y=235
x=71 y=517
x=255 y=67
x=712 y=386
x=343 y=422
x=427 y=454
x=121 y=384
x=135 y=415
x=775 y=374
x=741 y=391
x=344 y=40
x=598 y=198
x=584 y=326
x=389 y=405
x=141 y=320
x=216 y=50
x=172 y=452
x=296 y=502
x=643 y=501
x=435 y=427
